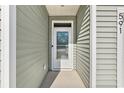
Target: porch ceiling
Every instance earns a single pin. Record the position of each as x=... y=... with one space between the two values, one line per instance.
x=62 y=10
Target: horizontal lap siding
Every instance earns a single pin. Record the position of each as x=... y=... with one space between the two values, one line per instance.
x=32 y=45
x=0 y=46
x=83 y=44
x=106 y=69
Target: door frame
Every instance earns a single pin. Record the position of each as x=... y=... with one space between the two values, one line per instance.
x=52 y=49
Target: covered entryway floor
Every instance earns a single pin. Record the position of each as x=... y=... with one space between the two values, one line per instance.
x=63 y=79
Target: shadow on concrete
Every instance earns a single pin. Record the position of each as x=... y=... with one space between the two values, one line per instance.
x=49 y=79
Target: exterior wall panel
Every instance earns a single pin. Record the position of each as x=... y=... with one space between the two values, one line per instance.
x=106 y=20
x=83 y=44
x=32 y=45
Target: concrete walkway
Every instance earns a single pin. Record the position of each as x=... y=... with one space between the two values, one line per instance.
x=63 y=79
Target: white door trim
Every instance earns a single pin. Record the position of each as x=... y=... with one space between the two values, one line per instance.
x=61 y=21
x=93 y=46
x=120 y=49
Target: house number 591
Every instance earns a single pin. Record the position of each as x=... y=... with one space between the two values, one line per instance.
x=121 y=21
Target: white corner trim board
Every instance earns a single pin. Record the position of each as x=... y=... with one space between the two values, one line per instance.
x=12 y=21
x=5 y=47
x=93 y=46
x=8 y=46
x=120 y=47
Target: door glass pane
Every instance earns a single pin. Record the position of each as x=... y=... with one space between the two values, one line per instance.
x=62 y=45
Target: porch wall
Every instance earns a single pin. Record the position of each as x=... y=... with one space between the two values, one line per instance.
x=32 y=46
x=106 y=71
x=73 y=18
x=83 y=44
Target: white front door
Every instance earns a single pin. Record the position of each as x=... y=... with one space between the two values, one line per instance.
x=62 y=48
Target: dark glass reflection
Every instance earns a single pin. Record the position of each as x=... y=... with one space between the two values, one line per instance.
x=62 y=45
x=62 y=38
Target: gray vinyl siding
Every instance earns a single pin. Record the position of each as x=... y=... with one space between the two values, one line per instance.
x=73 y=18
x=32 y=45
x=106 y=57
x=83 y=44
x=0 y=46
